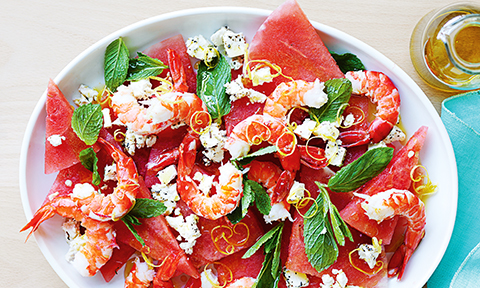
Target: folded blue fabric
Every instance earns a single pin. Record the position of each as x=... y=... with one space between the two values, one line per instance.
x=461 y=117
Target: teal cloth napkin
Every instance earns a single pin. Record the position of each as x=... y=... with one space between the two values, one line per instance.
x=461 y=116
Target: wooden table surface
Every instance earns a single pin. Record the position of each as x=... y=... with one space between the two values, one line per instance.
x=40 y=37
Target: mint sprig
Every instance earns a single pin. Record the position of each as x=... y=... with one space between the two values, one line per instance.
x=87 y=121
x=143 y=208
x=252 y=192
x=143 y=67
x=347 y=62
x=117 y=58
x=339 y=92
x=320 y=235
x=247 y=159
x=270 y=273
x=89 y=160
x=211 y=87
x=360 y=171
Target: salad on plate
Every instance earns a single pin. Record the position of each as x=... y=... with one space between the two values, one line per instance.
x=220 y=162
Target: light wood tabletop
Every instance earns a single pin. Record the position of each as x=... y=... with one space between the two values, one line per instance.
x=40 y=37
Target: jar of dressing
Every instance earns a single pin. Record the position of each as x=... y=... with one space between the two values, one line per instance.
x=445 y=47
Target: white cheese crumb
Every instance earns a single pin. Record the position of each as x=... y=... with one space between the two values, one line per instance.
x=396 y=134
x=234 y=43
x=87 y=95
x=56 y=140
x=410 y=154
x=107 y=120
x=214 y=142
x=200 y=48
x=260 y=76
x=340 y=281
x=349 y=120
x=376 y=145
x=188 y=230
x=278 y=212
x=369 y=253
x=327 y=131
x=305 y=129
x=82 y=191
x=315 y=97
x=297 y=192
x=206 y=182
x=295 y=279
x=334 y=153
x=236 y=90
x=209 y=279
x=137 y=141
x=167 y=194
x=167 y=174
x=68 y=183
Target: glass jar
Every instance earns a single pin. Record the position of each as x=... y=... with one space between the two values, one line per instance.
x=445 y=47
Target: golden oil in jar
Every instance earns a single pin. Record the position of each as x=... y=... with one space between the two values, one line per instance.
x=445 y=47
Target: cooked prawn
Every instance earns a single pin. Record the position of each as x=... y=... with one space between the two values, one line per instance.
x=268 y=175
x=115 y=205
x=228 y=187
x=382 y=92
x=140 y=276
x=385 y=205
x=97 y=242
x=292 y=94
x=244 y=282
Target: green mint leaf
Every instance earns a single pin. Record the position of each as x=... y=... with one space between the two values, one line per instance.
x=129 y=222
x=89 y=160
x=147 y=208
x=266 y=237
x=236 y=215
x=339 y=92
x=264 y=278
x=340 y=229
x=248 y=197
x=320 y=246
x=262 y=200
x=276 y=255
x=348 y=62
x=211 y=87
x=87 y=121
x=143 y=67
x=360 y=171
x=260 y=152
x=117 y=58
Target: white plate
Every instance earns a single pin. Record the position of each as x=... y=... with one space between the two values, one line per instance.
x=416 y=110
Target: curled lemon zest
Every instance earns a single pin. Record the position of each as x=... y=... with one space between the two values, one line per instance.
x=211 y=281
x=294 y=143
x=333 y=154
x=230 y=248
x=161 y=89
x=149 y=262
x=357 y=121
x=258 y=138
x=308 y=153
x=293 y=125
x=378 y=263
x=262 y=63
x=108 y=99
x=196 y=120
x=426 y=187
x=339 y=115
x=299 y=204
x=117 y=133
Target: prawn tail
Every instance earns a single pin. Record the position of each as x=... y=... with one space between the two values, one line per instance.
x=396 y=266
x=44 y=213
x=379 y=129
x=354 y=138
x=178 y=73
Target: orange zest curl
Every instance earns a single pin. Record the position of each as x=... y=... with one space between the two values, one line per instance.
x=230 y=248
x=196 y=119
x=422 y=184
x=373 y=272
x=212 y=282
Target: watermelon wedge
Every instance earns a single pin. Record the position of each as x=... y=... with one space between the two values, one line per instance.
x=59 y=123
x=396 y=175
x=176 y=43
x=288 y=39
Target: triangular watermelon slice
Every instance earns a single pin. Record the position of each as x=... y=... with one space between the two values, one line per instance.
x=59 y=122
x=288 y=39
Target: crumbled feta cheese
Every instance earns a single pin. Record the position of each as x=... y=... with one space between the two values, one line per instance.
x=167 y=174
x=82 y=191
x=260 y=76
x=327 y=131
x=297 y=192
x=305 y=129
x=200 y=48
x=87 y=95
x=206 y=182
x=234 y=43
x=56 y=140
x=209 y=279
x=217 y=37
x=410 y=154
x=110 y=172
x=167 y=194
x=396 y=134
x=140 y=90
x=236 y=62
x=214 y=142
x=236 y=90
x=134 y=140
x=107 y=120
x=295 y=279
x=188 y=230
x=278 y=212
x=315 y=97
x=68 y=183
x=376 y=145
x=349 y=120
x=334 y=153
x=340 y=281
x=370 y=252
